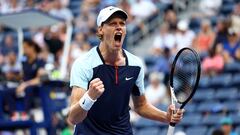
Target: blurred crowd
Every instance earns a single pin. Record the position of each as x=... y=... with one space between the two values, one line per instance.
x=214 y=34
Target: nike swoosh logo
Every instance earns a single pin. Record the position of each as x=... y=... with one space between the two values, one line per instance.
x=83 y=102
x=127 y=79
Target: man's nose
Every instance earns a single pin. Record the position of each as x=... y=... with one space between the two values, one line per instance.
x=118 y=27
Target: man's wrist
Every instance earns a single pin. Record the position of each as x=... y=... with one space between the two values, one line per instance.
x=86 y=102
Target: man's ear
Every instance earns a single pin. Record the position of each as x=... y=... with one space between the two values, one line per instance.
x=100 y=30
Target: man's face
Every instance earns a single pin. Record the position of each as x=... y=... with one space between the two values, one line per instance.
x=27 y=49
x=114 y=32
x=227 y=128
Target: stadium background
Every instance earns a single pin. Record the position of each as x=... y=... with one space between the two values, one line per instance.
x=156 y=30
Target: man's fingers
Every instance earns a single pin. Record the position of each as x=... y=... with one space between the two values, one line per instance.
x=172 y=107
x=95 y=80
x=100 y=87
x=98 y=83
x=177 y=117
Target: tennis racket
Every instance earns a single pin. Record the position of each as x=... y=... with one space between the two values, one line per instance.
x=184 y=78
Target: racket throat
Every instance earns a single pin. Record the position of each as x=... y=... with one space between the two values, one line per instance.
x=173 y=97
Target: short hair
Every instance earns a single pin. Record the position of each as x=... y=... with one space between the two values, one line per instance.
x=33 y=44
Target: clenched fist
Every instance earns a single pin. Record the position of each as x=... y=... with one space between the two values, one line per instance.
x=96 y=88
x=177 y=116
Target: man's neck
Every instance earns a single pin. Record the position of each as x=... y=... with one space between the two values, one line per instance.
x=32 y=58
x=112 y=57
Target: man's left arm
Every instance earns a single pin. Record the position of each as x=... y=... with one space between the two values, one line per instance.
x=147 y=110
x=31 y=82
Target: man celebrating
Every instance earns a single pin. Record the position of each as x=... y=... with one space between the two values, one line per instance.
x=103 y=81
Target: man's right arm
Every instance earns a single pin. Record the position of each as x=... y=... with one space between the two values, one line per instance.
x=78 y=113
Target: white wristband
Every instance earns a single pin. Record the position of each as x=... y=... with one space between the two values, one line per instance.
x=86 y=102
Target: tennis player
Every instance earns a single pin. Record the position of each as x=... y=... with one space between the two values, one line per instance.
x=104 y=80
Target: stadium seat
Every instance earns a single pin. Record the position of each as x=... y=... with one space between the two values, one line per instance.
x=232 y=105
x=226 y=9
x=237 y=129
x=74 y=6
x=236 y=80
x=236 y=118
x=213 y=119
x=203 y=94
x=198 y=130
x=233 y=67
x=195 y=24
x=190 y=108
x=210 y=106
x=191 y=120
x=228 y=2
x=222 y=80
x=204 y=82
x=226 y=93
x=12 y=125
x=148 y=131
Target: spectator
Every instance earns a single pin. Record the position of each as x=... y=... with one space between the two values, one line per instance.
x=162 y=63
x=221 y=32
x=156 y=92
x=29 y=4
x=231 y=46
x=79 y=47
x=1 y=59
x=205 y=37
x=86 y=20
x=235 y=18
x=140 y=14
x=33 y=69
x=213 y=63
x=12 y=68
x=226 y=126
x=164 y=39
x=60 y=11
x=54 y=43
x=184 y=36
x=209 y=8
x=11 y=6
x=9 y=45
x=170 y=17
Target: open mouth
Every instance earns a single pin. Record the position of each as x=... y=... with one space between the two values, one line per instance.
x=118 y=37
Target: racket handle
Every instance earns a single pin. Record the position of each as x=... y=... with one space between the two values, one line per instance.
x=171 y=129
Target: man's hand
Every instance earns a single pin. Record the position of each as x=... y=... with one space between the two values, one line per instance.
x=177 y=116
x=96 y=88
x=21 y=88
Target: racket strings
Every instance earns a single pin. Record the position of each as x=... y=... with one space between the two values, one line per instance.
x=185 y=73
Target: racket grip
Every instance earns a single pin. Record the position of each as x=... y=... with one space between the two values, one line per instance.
x=170 y=129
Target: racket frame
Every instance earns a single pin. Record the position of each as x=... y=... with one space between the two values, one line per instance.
x=172 y=93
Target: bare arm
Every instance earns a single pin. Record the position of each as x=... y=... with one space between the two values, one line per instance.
x=76 y=113
x=145 y=109
x=32 y=82
x=36 y=80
